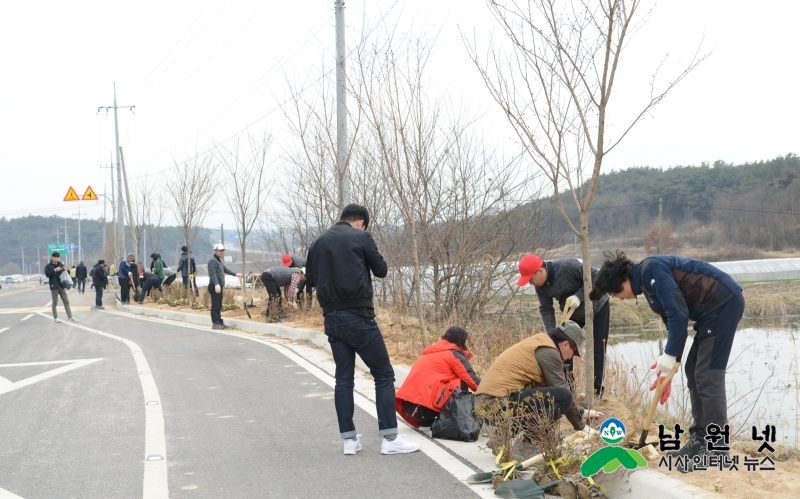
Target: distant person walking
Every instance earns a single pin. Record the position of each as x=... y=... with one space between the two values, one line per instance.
x=80 y=275
x=124 y=278
x=72 y=274
x=340 y=264
x=216 y=283
x=187 y=269
x=53 y=272
x=100 y=281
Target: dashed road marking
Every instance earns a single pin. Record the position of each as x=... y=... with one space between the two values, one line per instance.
x=26 y=317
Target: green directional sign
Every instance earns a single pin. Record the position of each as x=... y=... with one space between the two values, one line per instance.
x=60 y=247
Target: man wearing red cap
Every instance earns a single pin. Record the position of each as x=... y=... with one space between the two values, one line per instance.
x=562 y=279
x=299 y=262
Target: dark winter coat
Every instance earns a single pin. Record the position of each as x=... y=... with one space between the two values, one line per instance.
x=80 y=271
x=99 y=277
x=54 y=276
x=564 y=279
x=340 y=264
x=186 y=264
x=217 y=271
x=679 y=289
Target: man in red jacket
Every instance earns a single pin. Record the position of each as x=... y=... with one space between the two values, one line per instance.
x=443 y=368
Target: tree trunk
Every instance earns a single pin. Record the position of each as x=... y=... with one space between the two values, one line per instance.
x=417 y=282
x=588 y=329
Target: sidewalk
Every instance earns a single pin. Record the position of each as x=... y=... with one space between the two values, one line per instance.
x=643 y=483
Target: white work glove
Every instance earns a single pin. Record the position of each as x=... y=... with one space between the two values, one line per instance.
x=573 y=302
x=664 y=364
x=218 y=289
x=589 y=430
x=590 y=414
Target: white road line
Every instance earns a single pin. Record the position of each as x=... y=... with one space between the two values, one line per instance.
x=155 y=443
x=440 y=456
x=71 y=364
x=3 y=330
x=27 y=317
x=4 y=494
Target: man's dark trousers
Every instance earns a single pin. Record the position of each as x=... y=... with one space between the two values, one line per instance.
x=706 y=363
x=124 y=290
x=98 y=296
x=349 y=334
x=149 y=283
x=81 y=285
x=216 y=305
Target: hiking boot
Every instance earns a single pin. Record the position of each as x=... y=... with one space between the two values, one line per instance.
x=691 y=448
x=224 y=326
x=398 y=446
x=351 y=446
x=217 y=326
x=100 y=307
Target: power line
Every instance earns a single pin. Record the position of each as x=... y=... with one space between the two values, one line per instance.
x=184 y=48
x=132 y=90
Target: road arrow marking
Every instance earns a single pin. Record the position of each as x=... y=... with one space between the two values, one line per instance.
x=9 y=386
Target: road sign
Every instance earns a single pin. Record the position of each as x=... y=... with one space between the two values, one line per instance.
x=69 y=246
x=89 y=195
x=71 y=195
x=60 y=247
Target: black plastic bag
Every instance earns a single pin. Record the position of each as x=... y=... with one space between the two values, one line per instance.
x=457 y=420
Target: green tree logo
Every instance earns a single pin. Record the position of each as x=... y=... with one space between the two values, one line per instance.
x=608 y=459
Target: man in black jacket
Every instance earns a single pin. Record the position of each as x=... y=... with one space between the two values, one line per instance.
x=100 y=281
x=340 y=264
x=80 y=275
x=53 y=272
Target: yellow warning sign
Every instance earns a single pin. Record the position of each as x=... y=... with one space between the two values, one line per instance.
x=71 y=195
x=89 y=195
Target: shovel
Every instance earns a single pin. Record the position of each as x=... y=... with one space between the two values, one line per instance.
x=567 y=314
x=523 y=489
x=487 y=476
x=654 y=405
x=244 y=298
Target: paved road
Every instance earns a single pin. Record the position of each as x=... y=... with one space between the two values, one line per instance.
x=240 y=419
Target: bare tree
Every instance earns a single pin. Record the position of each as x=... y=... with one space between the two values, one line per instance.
x=555 y=87
x=140 y=208
x=247 y=184
x=191 y=188
x=154 y=212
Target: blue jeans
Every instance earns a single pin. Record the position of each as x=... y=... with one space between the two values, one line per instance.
x=350 y=334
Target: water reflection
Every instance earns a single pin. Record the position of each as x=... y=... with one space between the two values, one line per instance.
x=762 y=377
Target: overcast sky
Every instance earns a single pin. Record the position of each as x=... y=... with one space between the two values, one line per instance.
x=208 y=69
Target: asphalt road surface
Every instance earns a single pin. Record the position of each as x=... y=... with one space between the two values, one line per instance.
x=122 y=407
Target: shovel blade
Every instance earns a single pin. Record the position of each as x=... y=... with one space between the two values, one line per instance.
x=485 y=477
x=523 y=489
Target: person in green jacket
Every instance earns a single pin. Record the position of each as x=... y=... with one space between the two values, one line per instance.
x=157 y=266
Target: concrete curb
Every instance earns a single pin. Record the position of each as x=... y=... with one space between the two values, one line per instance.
x=642 y=483
x=290 y=333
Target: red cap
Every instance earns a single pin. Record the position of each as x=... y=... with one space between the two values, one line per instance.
x=527 y=267
x=287 y=260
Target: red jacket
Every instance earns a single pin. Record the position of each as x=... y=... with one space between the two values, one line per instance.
x=434 y=377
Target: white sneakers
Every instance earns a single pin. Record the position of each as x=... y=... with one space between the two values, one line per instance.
x=398 y=446
x=352 y=446
x=58 y=321
x=73 y=319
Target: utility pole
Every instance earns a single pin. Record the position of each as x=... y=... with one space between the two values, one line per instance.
x=131 y=228
x=23 y=263
x=66 y=241
x=221 y=234
x=119 y=172
x=341 y=110
x=659 y=225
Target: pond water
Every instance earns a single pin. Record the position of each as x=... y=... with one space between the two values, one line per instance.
x=762 y=376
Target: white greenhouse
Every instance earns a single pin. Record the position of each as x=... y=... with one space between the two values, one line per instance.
x=761 y=270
